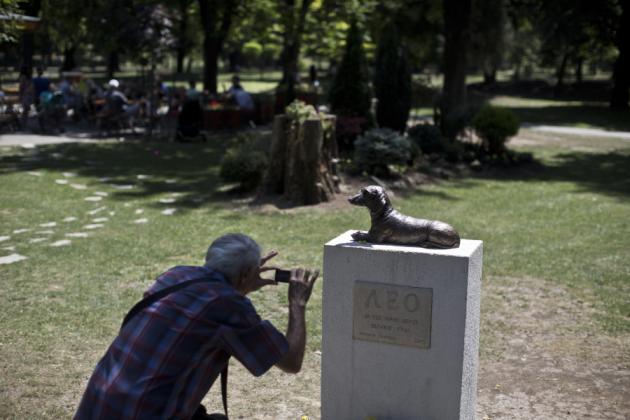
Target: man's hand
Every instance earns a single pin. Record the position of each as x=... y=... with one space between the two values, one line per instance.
x=301 y=286
x=251 y=279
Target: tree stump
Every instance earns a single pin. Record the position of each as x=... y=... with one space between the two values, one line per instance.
x=303 y=160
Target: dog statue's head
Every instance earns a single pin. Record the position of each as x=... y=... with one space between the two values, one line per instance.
x=373 y=197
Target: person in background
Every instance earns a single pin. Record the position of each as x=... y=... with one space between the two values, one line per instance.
x=241 y=97
x=26 y=92
x=40 y=83
x=192 y=94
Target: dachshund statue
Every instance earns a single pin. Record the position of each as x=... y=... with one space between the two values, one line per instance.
x=391 y=227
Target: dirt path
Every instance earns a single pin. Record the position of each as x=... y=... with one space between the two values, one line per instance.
x=544 y=357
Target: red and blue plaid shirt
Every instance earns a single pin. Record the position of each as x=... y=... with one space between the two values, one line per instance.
x=167 y=357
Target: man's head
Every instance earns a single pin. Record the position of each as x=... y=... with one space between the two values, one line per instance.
x=113 y=84
x=237 y=256
x=236 y=81
x=40 y=71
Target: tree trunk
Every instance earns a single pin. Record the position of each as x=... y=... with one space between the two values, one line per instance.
x=516 y=76
x=210 y=66
x=181 y=55
x=30 y=8
x=26 y=63
x=182 y=42
x=562 y=70
x=292 y=46
x=621 y=73
x=489 y=76
x=303 y=160
x=579 y=70
x=456 y=31
x=69 y=62
x=113 y=64
x=216 y=20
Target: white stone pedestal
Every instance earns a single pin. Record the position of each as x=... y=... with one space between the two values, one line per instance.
x=400 y=331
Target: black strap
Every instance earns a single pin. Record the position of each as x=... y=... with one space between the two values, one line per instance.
x=154 y=297
x=157 y=296
x=224 y=376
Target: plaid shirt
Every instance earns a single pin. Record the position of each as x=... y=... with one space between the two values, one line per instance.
x=167 y=357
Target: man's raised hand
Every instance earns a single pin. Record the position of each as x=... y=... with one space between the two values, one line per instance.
x=301 y=285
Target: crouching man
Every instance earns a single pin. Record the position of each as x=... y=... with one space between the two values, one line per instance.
x=167 y=355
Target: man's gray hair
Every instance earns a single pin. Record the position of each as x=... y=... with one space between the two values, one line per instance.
x=232 y=253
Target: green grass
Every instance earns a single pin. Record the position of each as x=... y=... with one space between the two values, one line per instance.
x=564 y=220
x=566 y=113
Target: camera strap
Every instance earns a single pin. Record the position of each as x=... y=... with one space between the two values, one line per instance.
x=154 y=297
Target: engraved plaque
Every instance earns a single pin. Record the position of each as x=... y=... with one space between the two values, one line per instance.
x=391 y=314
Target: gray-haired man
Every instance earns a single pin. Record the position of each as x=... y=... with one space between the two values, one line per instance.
x=166 y=358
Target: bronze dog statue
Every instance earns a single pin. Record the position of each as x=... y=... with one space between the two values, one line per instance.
x=392 y=227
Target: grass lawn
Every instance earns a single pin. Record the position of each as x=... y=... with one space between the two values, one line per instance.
x=566 y=113
x=564 y=220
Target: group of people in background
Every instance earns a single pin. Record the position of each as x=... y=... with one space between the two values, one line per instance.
x=76 y=97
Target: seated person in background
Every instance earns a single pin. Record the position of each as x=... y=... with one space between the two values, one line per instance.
x=192 y=94
x=40 y=83
x=168 y=356
x=242 y=98
x=117 y=103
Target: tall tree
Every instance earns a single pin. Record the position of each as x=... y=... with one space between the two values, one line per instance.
x=350 y=90
x=184 y=40
x=294 y=20
x=216 y=21
x=392 y=80
x=487 y=37
x=29 y=8
x=621 y=73
x=456 y=36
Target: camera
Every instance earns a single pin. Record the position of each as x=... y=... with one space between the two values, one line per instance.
x=282 y=276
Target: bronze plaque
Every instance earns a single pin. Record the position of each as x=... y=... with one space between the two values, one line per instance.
x=391 y=314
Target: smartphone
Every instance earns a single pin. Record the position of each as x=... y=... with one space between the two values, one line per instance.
x=282 y=276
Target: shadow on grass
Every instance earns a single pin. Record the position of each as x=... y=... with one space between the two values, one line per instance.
x=605 y=173
x=190 y=170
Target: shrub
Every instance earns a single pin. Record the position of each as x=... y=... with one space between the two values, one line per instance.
x=379 y=147
x=244 y=165
x=495 y=125
x=426 y=137
x=392 y=81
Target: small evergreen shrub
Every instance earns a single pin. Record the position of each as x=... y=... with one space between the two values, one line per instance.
x=379 y=147
x=426 y=137
x=494 y=126
x=244 y=165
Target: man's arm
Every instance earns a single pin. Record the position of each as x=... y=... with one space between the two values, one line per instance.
x=300 y=288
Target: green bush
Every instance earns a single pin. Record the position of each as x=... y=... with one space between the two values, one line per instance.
x=379 y=147
x=243 y=165
x=426 y=137
x=494 y=126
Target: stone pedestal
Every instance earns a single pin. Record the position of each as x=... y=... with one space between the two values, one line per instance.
x=400 y=331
